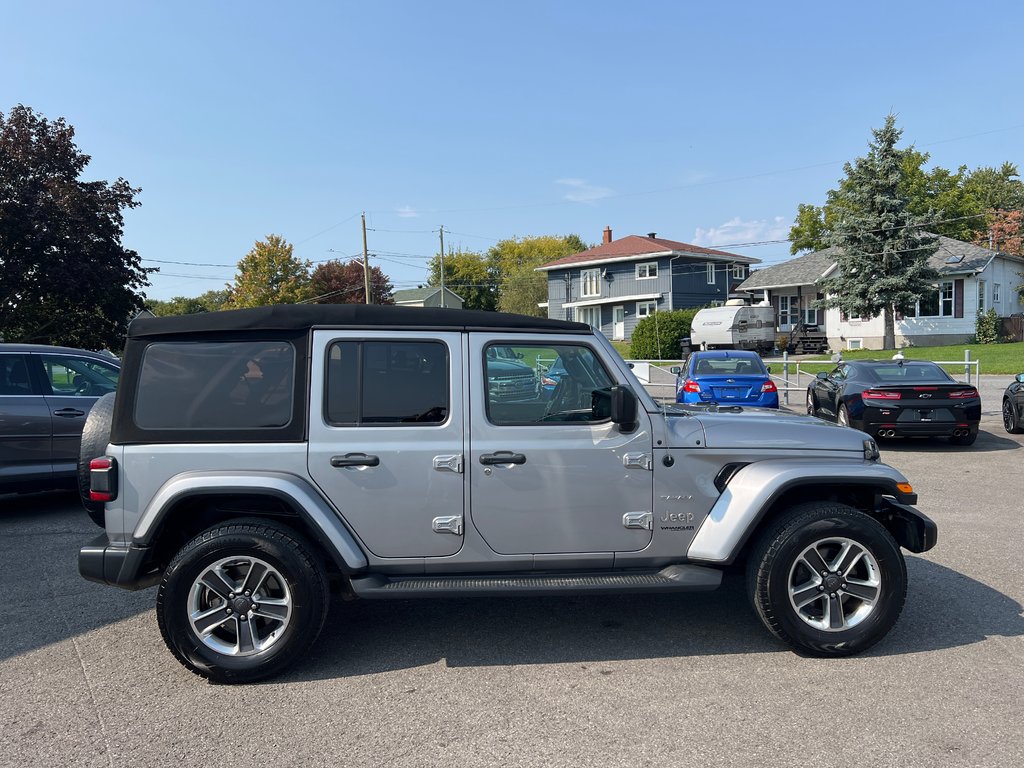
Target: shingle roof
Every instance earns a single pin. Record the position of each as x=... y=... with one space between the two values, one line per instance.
x=420 y=294
x=637 y=246
x=803 y=270
x=811 y=267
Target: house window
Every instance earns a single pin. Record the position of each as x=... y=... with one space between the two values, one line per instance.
x=739 y=272
x=711 y=273
x=855 y=343
x=981 y=296
x=938 y=303
x=995 y=293
x=647 y=270
x=591 y=316
x=591 y=282
x=717 y=303
x=645 y=308
x=810 y=314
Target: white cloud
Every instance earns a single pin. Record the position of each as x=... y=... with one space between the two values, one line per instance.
x=736 y=230
x=579 y=191
x=408 y=212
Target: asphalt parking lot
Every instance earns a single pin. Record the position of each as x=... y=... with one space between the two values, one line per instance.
x=85 y=679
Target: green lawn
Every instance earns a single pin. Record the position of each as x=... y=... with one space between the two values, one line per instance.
x=1002 y=359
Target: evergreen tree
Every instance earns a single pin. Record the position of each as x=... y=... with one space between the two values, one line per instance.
x=883 y=247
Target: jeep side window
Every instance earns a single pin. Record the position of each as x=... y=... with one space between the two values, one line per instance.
x=216 y=385
x=546 y=385
x=387 y=383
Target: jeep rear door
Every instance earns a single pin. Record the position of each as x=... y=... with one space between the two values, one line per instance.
x=387 y=437
x=551 y=474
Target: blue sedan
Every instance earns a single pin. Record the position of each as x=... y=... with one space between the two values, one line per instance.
x=728 y=377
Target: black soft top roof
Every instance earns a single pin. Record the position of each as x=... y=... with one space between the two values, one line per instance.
x=293 y=317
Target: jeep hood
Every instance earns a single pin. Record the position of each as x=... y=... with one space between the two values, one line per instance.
x=750 y=428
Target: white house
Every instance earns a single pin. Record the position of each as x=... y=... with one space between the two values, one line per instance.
x=971 y=279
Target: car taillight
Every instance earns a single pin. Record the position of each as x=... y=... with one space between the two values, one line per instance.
x=102 y=479
x=548 y=382
x=691 y=386
x=963 y=394
x=880 y=394
x=769 y=386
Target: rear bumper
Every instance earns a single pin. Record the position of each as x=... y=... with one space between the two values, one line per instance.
x=118 y=566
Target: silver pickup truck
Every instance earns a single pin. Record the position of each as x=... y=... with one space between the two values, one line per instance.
x=256 y=461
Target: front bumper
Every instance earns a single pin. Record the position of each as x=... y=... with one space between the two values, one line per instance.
x=116 y=565
x=912 y=529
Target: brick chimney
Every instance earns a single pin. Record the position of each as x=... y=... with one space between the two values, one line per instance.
x=607 y=235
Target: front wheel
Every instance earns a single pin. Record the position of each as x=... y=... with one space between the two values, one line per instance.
x=843 y=416
x=812 y=409
x=242 y=601
x=827 y=579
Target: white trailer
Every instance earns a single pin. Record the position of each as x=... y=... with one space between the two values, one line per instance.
x=735 y=326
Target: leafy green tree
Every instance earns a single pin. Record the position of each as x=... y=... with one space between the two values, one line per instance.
x=470 y=275
x=337 y=282
x=214 y=300
x=179 y=305
x=957 y=201
x=270 y=274
x=658 y=336
x=883 y=247
x=65 y=276
x=521 y=287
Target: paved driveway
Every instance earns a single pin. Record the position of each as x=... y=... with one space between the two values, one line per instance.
x=626 y=681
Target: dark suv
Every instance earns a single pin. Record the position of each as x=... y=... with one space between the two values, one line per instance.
x=45 y=396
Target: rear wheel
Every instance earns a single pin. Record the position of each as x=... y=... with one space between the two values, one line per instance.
x=843 y=416
x=242 y=601
x=812 y=407
x=827 y=579
x=1011 y=419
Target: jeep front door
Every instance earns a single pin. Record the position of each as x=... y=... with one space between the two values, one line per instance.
x=387 y=437
x=549 y=473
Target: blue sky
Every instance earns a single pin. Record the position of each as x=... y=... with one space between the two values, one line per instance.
x=706 y=123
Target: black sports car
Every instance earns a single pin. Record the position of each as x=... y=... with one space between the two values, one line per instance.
x=897 y=398
x=1013 y=406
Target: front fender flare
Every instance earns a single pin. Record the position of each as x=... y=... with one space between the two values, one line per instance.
x=754 y=488
x=330 y=531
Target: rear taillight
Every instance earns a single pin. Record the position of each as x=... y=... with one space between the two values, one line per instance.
x=963 y=394
x=691 y=386
x=544 y=380
x=880 y=394
x=769 y=386
x=102 y=479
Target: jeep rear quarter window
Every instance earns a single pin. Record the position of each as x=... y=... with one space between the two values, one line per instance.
x=216 y=385
x=387 y=383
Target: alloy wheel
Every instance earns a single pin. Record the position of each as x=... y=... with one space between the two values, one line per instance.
x=834 y=584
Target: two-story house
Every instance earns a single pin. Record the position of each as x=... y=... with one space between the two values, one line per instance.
x=618 y=283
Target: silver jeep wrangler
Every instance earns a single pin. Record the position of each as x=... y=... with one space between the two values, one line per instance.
x=254 y=461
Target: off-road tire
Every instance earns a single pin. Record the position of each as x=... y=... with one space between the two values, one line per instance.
x=778 y=548
x=95 y=438
x=277 y=545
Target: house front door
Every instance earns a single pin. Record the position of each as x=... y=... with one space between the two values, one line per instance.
x=618 y=323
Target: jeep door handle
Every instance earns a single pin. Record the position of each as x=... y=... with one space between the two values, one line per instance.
x=355 y=460
x=502 y=457
x=69 y=413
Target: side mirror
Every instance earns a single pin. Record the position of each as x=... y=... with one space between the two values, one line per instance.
x=624 y=408
x=1019 y=377
x=675 y=369
x=821 y=375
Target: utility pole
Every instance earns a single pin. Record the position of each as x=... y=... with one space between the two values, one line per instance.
x=441 y=232
x=366 y=263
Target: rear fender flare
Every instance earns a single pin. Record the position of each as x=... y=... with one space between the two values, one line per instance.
x=322 y=519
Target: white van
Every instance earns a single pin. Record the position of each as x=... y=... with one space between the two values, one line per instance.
x=735 y=326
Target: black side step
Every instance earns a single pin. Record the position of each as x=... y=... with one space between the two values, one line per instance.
x=674 y=578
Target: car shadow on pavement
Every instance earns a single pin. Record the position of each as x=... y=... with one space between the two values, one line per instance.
x=987 y=441
x=45 y=599
x=944 y=609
